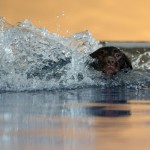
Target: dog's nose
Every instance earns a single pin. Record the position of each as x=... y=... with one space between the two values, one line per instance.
x=110 y=60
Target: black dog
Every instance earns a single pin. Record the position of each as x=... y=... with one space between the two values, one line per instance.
x=110 y=60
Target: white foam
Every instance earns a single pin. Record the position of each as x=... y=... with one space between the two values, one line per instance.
x=34 y=59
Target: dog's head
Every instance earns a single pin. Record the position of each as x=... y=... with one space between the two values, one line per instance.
x=110 y=60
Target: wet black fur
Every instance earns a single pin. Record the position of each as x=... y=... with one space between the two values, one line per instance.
x=124 y=62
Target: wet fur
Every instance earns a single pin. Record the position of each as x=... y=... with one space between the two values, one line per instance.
x=102 y=54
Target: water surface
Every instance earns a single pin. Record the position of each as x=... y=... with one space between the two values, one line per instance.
x=91 y=118
x=51 y=99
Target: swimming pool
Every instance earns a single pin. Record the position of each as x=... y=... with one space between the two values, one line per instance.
x=89 y=118
x=49 y=99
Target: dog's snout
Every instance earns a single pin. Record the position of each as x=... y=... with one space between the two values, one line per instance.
x=110 y=60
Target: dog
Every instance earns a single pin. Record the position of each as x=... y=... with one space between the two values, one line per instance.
x=110 y=60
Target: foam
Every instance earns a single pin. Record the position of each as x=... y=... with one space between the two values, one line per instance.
x=34 y=59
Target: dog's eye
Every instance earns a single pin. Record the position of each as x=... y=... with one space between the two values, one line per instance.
x=118 y=55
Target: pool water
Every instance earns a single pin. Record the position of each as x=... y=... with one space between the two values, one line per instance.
x=90 y=118
x=33 y=59
x=51 y=100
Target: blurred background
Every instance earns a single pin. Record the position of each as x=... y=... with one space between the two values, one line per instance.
x=110 y=20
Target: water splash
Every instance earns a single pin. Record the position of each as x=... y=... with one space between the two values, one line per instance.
x=34 y=59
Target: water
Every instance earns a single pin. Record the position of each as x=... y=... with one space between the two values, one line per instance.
x=33 y=59
x=51 y=99
x=91 y=118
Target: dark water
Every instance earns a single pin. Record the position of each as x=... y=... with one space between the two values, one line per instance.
x=92 y=118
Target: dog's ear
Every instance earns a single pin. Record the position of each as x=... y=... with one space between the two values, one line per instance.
x=127 y=62
x=96 y=53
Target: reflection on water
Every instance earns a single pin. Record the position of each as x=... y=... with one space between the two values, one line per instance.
x=90 y=119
